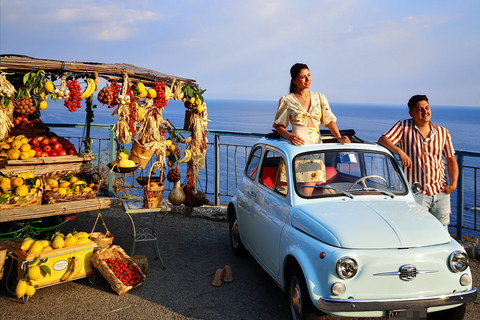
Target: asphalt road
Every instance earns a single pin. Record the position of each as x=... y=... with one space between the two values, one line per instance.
x=192 y=249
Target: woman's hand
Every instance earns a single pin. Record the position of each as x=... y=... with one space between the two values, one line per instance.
x=343 y=139
x=296 y=140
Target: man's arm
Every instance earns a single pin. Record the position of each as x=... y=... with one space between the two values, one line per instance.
x=452 y=168
x=404 y=159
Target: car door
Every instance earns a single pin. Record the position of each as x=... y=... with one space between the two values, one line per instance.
x=266 y=222
x=247 y=193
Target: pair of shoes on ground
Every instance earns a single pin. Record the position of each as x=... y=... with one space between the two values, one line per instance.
x=225 y=274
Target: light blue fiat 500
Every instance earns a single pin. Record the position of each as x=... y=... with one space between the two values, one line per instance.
x=353 y=242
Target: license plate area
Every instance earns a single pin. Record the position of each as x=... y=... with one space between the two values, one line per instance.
x=408 y=314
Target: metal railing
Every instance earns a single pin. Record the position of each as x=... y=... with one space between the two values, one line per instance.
x=226 y=160
x=461 y=155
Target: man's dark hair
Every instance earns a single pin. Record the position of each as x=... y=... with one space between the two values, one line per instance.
x=416 y=98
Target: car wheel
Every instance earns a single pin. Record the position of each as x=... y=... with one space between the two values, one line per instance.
x=300 y=303
x=235 y=241
x=451 y=314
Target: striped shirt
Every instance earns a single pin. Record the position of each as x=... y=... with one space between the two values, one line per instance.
x=428 y=166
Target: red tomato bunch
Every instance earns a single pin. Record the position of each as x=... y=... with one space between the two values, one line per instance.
x=72 y=103
x=126 y=273
x=160 y=100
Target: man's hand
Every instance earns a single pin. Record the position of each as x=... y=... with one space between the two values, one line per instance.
x=404 y=159
x=448 y=189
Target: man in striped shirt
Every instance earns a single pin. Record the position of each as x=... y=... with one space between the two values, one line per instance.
x=421 y=148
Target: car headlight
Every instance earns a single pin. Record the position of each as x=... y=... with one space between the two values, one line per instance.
x=347 y=267
x=458 y=261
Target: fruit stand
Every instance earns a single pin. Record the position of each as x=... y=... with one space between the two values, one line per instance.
x=27 y=145
x=43 y=174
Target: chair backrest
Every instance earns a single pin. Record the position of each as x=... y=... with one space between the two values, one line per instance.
x=330 y=174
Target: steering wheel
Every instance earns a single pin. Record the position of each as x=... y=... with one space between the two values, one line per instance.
x=362 y=180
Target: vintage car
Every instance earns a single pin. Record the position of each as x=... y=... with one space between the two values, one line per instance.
x=353 y=243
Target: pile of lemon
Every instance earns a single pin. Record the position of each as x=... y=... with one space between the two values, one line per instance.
x=68 y=184
x=36 y=271
x=16 y=148
x=22 y=185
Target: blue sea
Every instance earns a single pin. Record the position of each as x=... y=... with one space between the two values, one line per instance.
x=369 y=121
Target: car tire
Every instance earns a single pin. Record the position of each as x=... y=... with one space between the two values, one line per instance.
x=236 y=243
x=298 y=296
x=457 y=313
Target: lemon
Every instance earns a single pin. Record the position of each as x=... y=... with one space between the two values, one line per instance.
x=172 y=148
x=140 y=87
x=43 y=105
x=58 y=242
x=21 y=191
x=24 y=155
x=16 y=144
x=30 y=290
x=199 y=108
x=47 y=248
x=24 y=140
x=25 y=147
x=61 y=190
x=46 y=242
x=86 y=189
x=16 y=182
x=70 y=241
x=32 y=153
x=21 y=288
x=198 y=102
x=37 y=182
x=152 y=93
x=64 y=184
x=26 y=244
x=49 y=86
x=52 y=183
x=5 y=184
x=192 y=100
x=36 y=247
x=73 y=179
x=82 y=234
x=13 y=154
x=34 y=273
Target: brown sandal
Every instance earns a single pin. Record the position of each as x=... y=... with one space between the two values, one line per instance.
x=217 y=280
x=228 y=277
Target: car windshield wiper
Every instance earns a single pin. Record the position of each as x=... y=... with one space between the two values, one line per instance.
x=345 y=193
x=368 y=189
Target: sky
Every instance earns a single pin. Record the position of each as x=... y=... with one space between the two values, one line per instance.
x=358 y=51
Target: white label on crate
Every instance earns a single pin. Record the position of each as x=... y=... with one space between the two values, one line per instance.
x=60 y=265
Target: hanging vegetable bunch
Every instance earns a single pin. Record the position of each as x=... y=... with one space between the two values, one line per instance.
x=7 y=92
x=193 y=98
x=108 y=95
x=125 y=127
x=29 y=95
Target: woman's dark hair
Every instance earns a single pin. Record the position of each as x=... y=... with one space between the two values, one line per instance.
x=294 y=71
x=416 y=98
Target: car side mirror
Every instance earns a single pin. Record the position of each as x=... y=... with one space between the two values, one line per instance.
x=416 y=187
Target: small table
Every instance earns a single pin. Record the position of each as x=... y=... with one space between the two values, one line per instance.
x=144 y=234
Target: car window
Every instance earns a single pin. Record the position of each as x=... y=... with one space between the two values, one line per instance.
x=274 y=172
x=252 y=166
x=343 y=173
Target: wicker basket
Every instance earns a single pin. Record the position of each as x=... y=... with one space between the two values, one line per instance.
x=152 y=196
x=50 y=196
x=27 y=201
x=100 y=238
x=140 y=154
x=113 y=252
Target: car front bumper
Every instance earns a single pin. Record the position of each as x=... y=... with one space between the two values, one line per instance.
x=354 y=305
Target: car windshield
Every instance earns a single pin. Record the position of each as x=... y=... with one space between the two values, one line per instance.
x=347 y=173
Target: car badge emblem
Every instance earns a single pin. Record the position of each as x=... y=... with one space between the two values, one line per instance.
x=407 y=272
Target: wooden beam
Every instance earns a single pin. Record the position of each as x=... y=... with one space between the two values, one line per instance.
x=55 y=209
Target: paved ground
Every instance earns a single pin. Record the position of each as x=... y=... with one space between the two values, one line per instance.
x=192 y=249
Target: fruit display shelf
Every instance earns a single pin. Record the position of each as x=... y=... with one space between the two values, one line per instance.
x=45 y=165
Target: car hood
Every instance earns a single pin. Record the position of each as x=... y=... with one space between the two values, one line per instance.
x=370 y=224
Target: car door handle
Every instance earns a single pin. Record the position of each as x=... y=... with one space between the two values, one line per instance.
x=252 y=194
